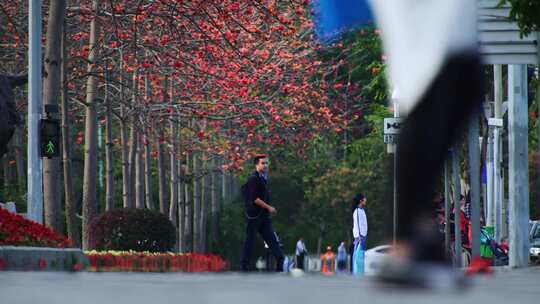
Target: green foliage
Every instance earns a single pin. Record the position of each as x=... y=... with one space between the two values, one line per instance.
x=533 y=113
x=361 y=65
x=231 y=235
x=132 y=229
x=526 y=13
x=534 y=185
x=366 y=171
x=368 y=65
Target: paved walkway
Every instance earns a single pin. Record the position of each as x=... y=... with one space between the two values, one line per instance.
x=519 y=286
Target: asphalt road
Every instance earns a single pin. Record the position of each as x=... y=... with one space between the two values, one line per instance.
x=509 y=287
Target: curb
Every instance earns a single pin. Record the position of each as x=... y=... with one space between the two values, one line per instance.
x=42 y=258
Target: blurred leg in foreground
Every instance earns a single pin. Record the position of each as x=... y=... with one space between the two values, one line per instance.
x=435 y=67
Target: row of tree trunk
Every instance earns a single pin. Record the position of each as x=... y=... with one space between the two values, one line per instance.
x=195 y=189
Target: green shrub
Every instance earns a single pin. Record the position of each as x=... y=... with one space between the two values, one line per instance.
x=132 y=229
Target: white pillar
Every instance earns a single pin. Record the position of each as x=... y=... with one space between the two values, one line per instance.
x=518 y=166
x=35 y=180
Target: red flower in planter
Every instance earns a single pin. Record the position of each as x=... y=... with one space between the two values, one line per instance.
x=19 y=231
x=77 y=267
x=3 y=264
x=143 y=261
x=42 y=263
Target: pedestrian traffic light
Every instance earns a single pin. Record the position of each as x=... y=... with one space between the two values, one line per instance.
x=50 y=138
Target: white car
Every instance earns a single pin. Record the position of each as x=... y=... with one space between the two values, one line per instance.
x=535 y=242
x=374 y=258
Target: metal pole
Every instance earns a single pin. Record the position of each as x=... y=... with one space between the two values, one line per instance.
x=518 y=166
x=497 y=197
x=35 y=179
x=491 y=188
x=457 y=209
x=395 y=199
x=474 y=169
x=395 y=215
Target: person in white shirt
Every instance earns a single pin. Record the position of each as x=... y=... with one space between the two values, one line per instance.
x=300 y=253
x=360 y=228
x=360 y=224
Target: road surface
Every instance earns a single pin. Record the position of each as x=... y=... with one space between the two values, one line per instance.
x=508 y=287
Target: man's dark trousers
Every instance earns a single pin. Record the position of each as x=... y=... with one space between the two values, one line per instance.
x=262 y=225
x=300 y=260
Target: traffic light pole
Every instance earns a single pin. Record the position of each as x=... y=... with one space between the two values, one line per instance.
x=35 y=180
x=518 y=169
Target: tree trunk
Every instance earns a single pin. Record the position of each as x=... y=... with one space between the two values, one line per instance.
x=10 y=172
x=173 y=208
x=225 y=186
x=205 y=200
x=125 y=161
x=322 y=233
x=139 y=175
x=2 y=183
x=196 y=203
x=235 y=187
x=132 y=146
x=181 y=206
x=51 y=92
x=71 y=205
x=90 y=151
x=188 y=228
x=147 y=155
x=126 y=194
x=214 y=220
x=163 y=204
x=174 y=174
x=21 y=175
x=148 y=173
x=131 y=160
x=12 y=168
x=109 y=178
x=5 y=169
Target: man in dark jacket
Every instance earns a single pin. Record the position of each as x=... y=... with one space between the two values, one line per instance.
x=257 y=212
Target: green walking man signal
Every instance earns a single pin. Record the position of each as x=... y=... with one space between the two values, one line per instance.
x=50 y=138
x=50 y=147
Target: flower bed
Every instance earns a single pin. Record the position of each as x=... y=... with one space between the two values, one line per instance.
x=154 y=262
x=16 y=230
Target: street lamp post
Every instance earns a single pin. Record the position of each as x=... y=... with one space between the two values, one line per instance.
x=392 y=128
x=35 y=190
x=396 y=115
